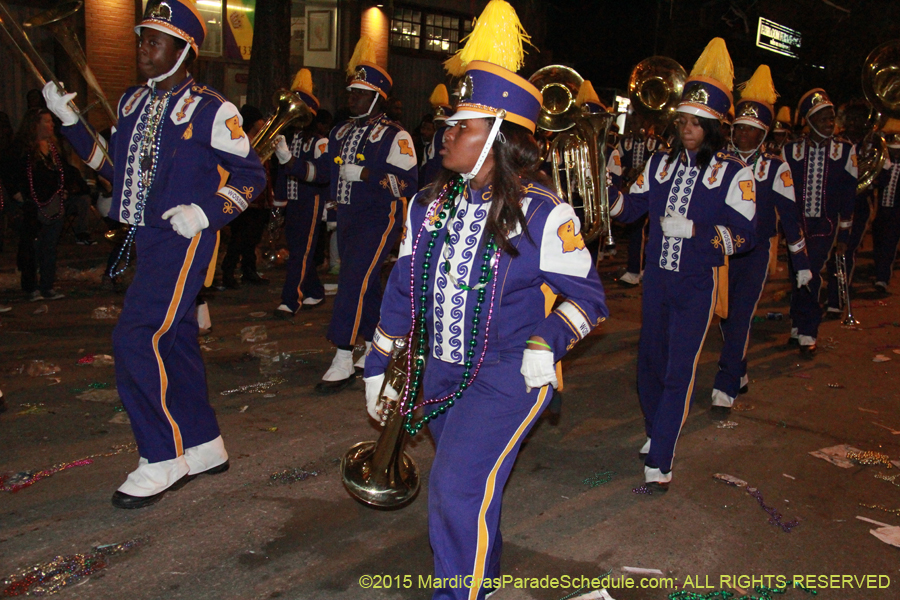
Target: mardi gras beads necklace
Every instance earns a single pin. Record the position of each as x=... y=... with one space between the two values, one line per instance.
x=416 y=361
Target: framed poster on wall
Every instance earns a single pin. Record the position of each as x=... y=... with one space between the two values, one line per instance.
x=318 y=29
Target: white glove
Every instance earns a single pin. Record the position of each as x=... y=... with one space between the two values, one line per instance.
x=676 y=226
x=282 y=152
x=351 y=172
x=804 y=276
x=58 y=103
x=187 y=221
x=539 y=369
x=373 y=395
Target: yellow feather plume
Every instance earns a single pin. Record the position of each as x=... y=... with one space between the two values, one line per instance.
x=586 y=93
x=364 y=52
x=892 y=126
x=439 y=97
x=303 y=82
x=498 y=37
x=784 y=115
x=454 y=65
x=760 y=87
x=715 y=62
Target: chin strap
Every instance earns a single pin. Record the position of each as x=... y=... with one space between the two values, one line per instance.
x=368 y=112
x=487 y=146
x=154 y=80
x=818 y=133
x=741 y=153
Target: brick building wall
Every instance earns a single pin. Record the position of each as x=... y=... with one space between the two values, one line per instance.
x=110 y=45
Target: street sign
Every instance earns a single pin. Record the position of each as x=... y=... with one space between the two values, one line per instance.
x=778 y=38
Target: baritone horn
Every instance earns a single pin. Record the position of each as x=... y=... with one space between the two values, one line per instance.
x=881 y=86
x=380 y=473
x=53 y=20
x=39 y=68
x=843 y=281
x=289 y=109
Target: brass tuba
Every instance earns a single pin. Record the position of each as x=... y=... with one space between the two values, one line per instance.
x=53 y=19
x=881 y=86
x=289 y=109
x=655 y=87
x=380 y=473
x=578 y=149
x=39 y=68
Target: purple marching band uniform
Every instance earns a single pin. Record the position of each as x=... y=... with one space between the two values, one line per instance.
x=304 y=183
x=631 y=153
x=479 y=436
x=825 y=177
x=201 y=156
x=747 y=270
x=886 y=225
x=369 y=213
x=681 y=277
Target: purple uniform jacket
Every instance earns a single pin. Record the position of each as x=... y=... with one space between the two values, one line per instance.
x=385 y=149
x=775 y=194
x=309 y=173
x=204 y=157
x=552 y=260
x=825 y=181
x=721 y=201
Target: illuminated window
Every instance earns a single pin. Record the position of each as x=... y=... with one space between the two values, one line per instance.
x=211 y=11
x=428 y=32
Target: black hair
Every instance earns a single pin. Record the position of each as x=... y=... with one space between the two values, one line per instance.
x=713 y=141
x=250 y=115
x=516 y=158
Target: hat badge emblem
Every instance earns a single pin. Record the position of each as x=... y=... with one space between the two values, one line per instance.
x=161 y=11
x=748 y=110
x=360 y=74
x=698 y=94
x=817 y=98
x=465 y=89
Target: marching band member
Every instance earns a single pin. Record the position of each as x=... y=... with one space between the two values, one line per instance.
x=634 y=150
x=747 y=271
x=781 y=131
x=825 y=172
x=852 y=118
x=886 y=225
x=440 y=103
x=484 y=247
x=701 y=203
x=167 y=184
x=304 y=179
x=373 y=170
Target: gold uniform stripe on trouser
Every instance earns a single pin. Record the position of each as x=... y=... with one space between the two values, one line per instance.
x=489 y=489
x=365 y=283
x=755 y=305
x=690 y=390
x=167 y=324
x=309 y=240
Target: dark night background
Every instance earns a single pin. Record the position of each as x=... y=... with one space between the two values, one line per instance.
x=603 y=40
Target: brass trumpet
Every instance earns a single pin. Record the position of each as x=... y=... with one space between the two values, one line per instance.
x=39 y=68
x=843 y=281
x=289 y=109
x=380 y=473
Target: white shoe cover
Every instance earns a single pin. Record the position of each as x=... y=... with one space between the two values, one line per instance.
x=361 y=362
x=655 y=475
x=645 y=449
x=206 y=456
x=341 y=366
x=150 y=479
x=720 y=398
